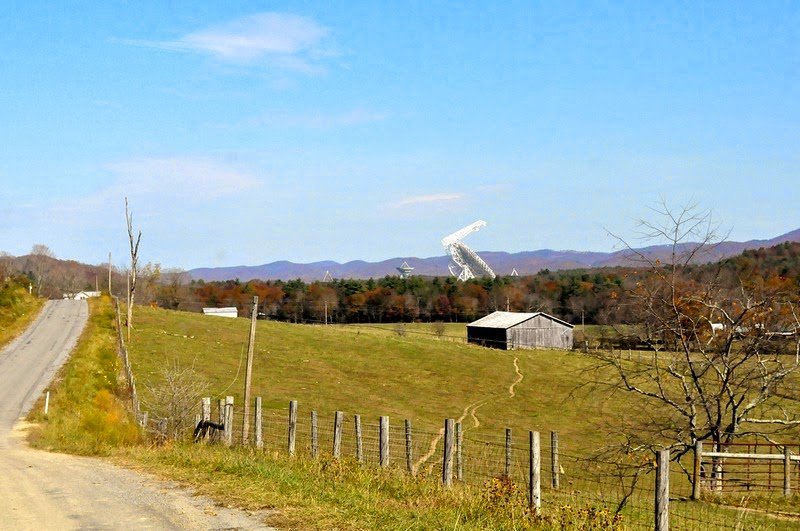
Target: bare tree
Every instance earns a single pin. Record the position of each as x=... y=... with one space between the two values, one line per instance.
x=134 y=248
x=41 y=262
x=716 y=365
x=174 y=396
x=6 y=265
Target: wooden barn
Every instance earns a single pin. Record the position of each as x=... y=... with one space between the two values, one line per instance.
x=511 y=330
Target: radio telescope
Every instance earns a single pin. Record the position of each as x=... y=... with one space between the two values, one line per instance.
x=468 y=260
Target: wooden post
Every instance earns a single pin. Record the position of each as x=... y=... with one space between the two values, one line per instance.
x=46 y=402
x=205 y=407
x=258 y=424
x=409 y=449
x=447 y=454
x=292 y=426
x=507 y=467
x=109 y=274
x=698 y=463
x=143 y=422
x=555 y=468
x=337 y=434
x=534 y=471
x=459 y=454
x=359 y=442
x=228 y=420
x=248 y=375
x=787 y=471
x=314 y=436
x=383 y=441
x=662 y=491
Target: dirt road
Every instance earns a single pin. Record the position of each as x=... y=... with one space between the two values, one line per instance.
x=40 y=490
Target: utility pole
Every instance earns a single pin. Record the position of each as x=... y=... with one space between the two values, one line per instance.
x=508 y=305
x=249 y=373
x=326 y=312
x=109 y=274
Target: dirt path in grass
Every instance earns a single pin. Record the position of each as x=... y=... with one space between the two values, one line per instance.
x=470 y=410
x=511 y=392
x=41 y=490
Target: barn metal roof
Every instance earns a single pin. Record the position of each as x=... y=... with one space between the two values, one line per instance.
x=509 y=319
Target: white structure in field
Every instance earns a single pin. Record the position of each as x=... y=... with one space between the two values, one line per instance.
x=468 y=260
x=82 y=295
x=230 y=311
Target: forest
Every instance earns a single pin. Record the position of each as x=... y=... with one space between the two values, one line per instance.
x=592 y=296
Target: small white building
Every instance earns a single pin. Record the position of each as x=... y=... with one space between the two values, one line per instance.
x=82 y=295
x=230 y=311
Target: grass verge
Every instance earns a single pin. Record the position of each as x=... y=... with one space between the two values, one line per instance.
x=87 y=415
x=18 y=309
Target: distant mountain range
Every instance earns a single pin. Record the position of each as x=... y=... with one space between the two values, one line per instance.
x=526 y=262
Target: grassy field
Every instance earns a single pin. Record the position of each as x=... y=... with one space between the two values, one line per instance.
x=371 y=371
x=367 y=371
x=17 y=310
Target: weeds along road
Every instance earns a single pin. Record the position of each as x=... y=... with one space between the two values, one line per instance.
x=41 y=490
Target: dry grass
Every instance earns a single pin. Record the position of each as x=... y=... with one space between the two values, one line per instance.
x=18 y=309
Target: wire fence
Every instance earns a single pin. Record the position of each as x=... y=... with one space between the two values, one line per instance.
x=613 y=493
x=589 y=491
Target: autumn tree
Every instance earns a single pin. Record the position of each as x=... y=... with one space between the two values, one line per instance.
x=722 y=349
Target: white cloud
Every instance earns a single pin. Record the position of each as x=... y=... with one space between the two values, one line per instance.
x=425 y=199
x=282 y=40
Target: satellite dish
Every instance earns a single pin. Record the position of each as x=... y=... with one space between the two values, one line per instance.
x=465 y=258
x=405 y=270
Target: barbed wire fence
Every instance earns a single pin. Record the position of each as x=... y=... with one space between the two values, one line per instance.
x=622 y=494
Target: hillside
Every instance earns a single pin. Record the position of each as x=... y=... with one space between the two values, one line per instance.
x=526 y=263
x=375 y=372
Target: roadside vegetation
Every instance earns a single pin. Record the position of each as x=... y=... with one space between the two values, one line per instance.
x=87 y=413
x=18 y=308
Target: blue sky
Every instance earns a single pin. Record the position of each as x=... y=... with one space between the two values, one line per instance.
x=249 y=132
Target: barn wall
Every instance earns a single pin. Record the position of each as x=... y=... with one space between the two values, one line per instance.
x=487 y=337
x=540 y=332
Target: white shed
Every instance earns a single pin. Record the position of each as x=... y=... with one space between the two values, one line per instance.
x=230 y=311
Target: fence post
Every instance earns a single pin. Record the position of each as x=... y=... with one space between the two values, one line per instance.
x=534 y=471
x=459 y=456
x=507 y=467
x=205 y=407
x=259 y=424
x=292 y=426
x=383 y=441
x=698 y=463
x=337 y=434
x=787 y=471
x=662 y=491
x=143 y=420
x=359 y=441
x=228 y=420
x=409 y=449
x=314 y=435
x=447 y=454
x=555 y=468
